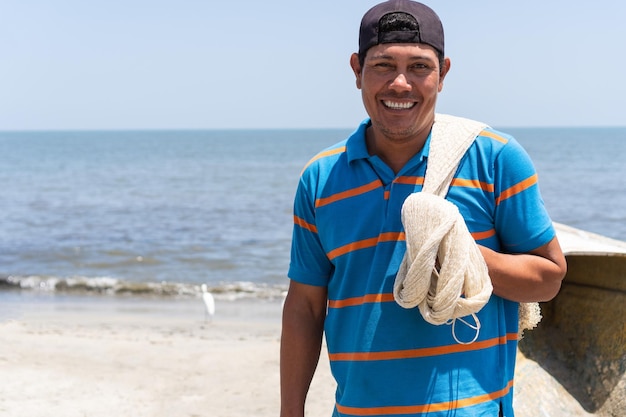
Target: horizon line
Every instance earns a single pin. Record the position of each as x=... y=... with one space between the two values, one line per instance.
x=207 y=129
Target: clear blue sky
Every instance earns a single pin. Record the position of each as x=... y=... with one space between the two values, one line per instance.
x=171 y=64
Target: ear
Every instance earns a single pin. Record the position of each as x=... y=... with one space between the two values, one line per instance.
x=356 y=68
x=444 y=71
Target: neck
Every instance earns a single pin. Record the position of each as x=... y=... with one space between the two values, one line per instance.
x=394 y=150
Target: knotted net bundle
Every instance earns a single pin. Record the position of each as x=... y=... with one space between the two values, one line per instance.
x=443 y=272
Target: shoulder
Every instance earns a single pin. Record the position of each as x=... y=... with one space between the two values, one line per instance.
x=353 y=147
x=326 y=157
x=498 y=145
x=487 y=140
x=495 y=139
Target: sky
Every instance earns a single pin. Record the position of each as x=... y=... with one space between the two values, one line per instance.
x=252 y=64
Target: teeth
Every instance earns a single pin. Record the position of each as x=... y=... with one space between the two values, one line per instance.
x=398 y=106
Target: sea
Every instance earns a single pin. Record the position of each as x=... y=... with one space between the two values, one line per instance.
x=158 y=213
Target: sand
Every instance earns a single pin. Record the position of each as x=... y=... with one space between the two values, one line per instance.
x=110 y=357
x=116 y=356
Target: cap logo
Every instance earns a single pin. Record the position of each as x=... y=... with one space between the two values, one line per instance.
x=400 y=36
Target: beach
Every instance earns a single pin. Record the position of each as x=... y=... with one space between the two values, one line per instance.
x=107 y=236
x=95 y=356
x=99 y=356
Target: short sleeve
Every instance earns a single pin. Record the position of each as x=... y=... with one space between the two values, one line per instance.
x=521 y=219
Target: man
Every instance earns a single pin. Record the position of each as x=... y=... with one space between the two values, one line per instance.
x=348 y=244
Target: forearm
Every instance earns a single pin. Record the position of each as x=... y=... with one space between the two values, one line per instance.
x=529 y=277
x=300 y=348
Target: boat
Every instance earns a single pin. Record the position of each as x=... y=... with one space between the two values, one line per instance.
x=574 y=363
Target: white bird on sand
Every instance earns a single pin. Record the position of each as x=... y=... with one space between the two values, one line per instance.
x=209 y=303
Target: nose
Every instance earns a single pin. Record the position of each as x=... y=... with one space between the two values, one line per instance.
x=400 y=83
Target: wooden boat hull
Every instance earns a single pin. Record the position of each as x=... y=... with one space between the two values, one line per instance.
x=574 y=362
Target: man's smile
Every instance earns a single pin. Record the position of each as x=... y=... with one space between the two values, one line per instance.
x=396 y=105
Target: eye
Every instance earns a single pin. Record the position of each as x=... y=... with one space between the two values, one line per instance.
x=382 y=66
x=421 y=69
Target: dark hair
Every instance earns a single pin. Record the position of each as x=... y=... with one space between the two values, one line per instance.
x=398 y=22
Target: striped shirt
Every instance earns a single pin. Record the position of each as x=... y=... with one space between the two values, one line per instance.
x=348 y=237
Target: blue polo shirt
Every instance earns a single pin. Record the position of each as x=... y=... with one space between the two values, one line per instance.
x=348 y=237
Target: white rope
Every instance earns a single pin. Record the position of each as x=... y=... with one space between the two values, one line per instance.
x=451 y=137
x=443 y=272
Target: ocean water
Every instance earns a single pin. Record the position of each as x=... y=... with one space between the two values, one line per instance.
x=160 y=212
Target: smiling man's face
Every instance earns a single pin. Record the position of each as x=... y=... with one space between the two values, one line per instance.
x=399 y=83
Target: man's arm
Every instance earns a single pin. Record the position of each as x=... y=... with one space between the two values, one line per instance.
x=303 y=325
x=529 y=277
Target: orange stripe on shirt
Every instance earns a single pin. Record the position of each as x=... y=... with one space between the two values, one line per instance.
x=366 y=299
x=420 y=353
x=494 y=136
x=349 y=193
x=517 y=188
x=365 y=243
x=426 y=408
x=460 y=182
x=484 y=235
x=308 y=226
x=411 y=180
x=324 y=154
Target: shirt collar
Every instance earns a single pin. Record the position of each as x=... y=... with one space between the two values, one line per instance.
x=356 y=147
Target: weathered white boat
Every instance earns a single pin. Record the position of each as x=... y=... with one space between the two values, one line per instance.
x=574 y=362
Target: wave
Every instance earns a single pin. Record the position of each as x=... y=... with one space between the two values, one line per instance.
x=117 y=287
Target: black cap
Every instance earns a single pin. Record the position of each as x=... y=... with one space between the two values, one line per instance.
x=429 y=28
